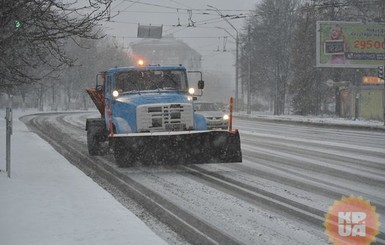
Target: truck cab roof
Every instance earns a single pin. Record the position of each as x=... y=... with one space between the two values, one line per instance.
x=144 y=68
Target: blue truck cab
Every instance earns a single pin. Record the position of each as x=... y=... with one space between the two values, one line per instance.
x=150 y=99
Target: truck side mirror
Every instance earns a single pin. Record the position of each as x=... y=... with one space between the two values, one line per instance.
x=99 y=88
x=201 y=84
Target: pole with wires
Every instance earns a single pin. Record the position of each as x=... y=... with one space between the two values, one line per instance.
x=249 y=71
x=236 y=54
x=8 y=119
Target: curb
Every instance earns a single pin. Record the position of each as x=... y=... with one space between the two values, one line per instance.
x=314 y=124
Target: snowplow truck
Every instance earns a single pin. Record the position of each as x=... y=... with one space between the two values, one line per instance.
x=147 y=116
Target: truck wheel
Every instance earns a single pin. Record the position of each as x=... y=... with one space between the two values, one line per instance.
x=96 y=136
x=93 y=143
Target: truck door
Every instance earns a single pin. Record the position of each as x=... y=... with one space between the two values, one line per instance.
x=108 y=102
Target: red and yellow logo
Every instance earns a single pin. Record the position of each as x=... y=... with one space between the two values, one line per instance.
x=352 y=220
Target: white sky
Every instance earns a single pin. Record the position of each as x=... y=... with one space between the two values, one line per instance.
x=205 y=37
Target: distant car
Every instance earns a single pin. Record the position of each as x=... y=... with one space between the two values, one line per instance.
x=215 y=117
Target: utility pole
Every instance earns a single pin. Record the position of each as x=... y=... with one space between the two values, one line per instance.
x=383 y=67
x=381 y=74
x=249 y=71
x=381 y=71
x=236 y=71
x=236 y=54
x=8 y=119
x=277 y=69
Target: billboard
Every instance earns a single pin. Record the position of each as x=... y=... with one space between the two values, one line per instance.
x=350 y=44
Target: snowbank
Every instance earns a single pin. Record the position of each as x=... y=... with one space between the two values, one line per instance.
x=49 y=201
x=315 y=120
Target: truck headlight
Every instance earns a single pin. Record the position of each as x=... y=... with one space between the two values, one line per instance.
x=226 y=117
x=191 y=91
x=115 y=93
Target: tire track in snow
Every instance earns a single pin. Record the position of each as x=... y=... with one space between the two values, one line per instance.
x=266 y=155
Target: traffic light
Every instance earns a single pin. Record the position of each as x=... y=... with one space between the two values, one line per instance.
x=18 y=24
x=381 y=72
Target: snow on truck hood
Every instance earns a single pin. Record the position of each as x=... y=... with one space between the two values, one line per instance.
x=154 y=98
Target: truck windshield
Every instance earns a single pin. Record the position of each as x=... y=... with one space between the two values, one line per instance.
x=135 y=81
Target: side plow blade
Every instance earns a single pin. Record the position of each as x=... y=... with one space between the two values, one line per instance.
x=177 y=148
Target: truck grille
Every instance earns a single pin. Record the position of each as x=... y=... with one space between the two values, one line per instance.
x=164 y=117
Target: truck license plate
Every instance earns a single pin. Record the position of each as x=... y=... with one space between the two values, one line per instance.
x=175 y=126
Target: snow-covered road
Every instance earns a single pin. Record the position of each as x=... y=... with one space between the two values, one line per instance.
x=289 y=178
x=49 y=201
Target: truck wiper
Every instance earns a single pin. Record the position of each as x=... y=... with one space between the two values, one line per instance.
x=137 y=89
x=169 y=88
x=157 y=87
x=174 y=83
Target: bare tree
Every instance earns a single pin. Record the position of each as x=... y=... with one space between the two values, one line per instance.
x=32 y=33
x=271 y=32
x=93 y=56
x=308 y=89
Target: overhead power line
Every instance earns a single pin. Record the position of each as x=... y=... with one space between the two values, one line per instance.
x=198 y=37
x=194 y=9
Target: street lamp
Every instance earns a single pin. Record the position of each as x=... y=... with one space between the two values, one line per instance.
x=236 y=52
